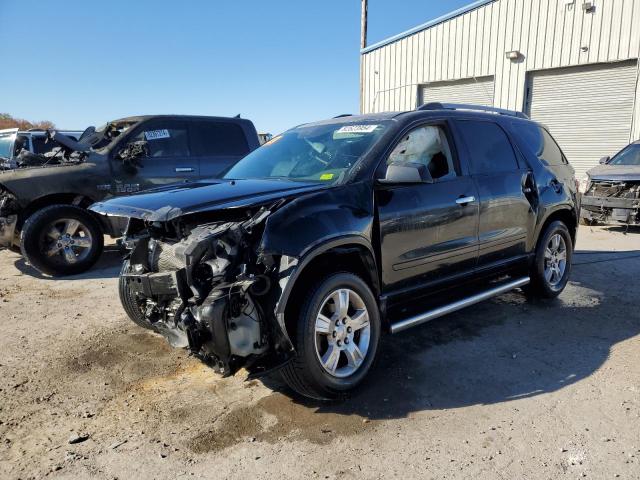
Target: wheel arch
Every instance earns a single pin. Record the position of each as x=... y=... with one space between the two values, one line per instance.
x=564 y=214
x=66 y=198
x=353 y=254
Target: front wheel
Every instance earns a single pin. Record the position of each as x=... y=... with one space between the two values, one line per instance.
x=337 y=338
x=61 y=240
x=552 y=265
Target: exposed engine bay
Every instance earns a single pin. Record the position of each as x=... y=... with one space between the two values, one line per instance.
x=208 y=289
x=612 y=202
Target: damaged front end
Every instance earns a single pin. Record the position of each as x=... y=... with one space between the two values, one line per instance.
x=612 y=202
x=209 y=289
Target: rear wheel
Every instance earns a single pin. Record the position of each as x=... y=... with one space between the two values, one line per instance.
x=61 y=240
x=552 y=265
x=133 y=306
x=337 y=338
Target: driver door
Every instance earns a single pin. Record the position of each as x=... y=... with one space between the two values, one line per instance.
x=168 y=158
x=428 y=231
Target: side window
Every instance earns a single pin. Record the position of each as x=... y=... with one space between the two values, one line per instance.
x=22 y=141
x=427 y=145
x=540 y=142
x=40 y=144
x=165 y=139
x=489 y=147
x=218 y=138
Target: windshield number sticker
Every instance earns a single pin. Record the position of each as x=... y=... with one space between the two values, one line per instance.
x=157 y=134
x=357 y=129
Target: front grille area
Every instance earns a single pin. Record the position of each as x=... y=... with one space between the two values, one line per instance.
x=607 y=189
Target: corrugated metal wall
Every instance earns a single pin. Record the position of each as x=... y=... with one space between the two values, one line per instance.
x=549 y=34
x=588 y=109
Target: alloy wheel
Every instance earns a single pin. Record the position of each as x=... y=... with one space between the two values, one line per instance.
x=66 y=241
x=342 y=333
x=555 y=260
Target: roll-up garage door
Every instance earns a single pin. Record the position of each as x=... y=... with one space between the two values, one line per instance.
x=477 y=91
x=588 y=109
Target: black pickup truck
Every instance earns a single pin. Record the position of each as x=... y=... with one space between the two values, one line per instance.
x=43 y=209
x=330 y=234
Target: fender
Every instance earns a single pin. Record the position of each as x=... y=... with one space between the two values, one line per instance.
x=561 y=207
x=313 y=224
x=312 y=253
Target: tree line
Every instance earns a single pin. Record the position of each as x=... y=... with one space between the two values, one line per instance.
x=8 y=121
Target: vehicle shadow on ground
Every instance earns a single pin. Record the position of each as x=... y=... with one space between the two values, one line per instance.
x=624 y=229
x=504 y=349
x=108 y=266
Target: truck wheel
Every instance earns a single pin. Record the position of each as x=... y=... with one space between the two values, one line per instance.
x=337 y=338
x=61 y=240
x=130 y=302
x=552 y=265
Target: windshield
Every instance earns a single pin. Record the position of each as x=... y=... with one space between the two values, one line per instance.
x=6 y=143
x=628 y=156
x=320 y=153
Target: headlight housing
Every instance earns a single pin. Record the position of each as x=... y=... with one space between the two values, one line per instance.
x=583 y=184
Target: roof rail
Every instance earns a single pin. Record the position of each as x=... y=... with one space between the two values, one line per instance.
x=344 y=115
x=477 y=108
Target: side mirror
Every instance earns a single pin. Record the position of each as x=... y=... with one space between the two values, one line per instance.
x=604 y=160
x=398 y=173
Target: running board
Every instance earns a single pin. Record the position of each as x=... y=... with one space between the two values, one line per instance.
x=455 y=306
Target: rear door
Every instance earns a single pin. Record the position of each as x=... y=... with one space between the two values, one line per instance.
x=428 y=231
x=506 y=214
x=217 y=145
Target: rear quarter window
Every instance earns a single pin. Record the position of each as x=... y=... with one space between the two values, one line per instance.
x=218 y=138
x=539 y=142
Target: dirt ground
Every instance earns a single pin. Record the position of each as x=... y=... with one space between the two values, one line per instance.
x=507 y=389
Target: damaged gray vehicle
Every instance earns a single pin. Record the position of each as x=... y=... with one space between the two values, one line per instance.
x=43 y=204
x=611 y=191
x=329 y=235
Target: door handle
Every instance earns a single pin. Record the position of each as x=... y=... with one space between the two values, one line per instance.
x=185 y=169
x=465 y=200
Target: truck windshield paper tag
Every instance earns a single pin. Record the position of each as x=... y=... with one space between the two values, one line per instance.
x=157 y=134
x=357 y=129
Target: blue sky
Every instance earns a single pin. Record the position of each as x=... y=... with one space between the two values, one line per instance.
x=279 y=63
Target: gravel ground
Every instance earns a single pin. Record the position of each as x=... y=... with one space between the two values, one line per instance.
x=506 y=389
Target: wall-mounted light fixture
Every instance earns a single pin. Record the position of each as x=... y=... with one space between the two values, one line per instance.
x=513 y=55
x=589 y=7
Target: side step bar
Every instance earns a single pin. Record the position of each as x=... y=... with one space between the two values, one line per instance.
x=455 y=306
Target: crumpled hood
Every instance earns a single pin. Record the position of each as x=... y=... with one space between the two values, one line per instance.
x=172 y=201
x=615 y=172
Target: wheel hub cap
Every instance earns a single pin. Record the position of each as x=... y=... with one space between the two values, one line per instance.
x=66 y=241
x=342 y=333
x=555 y=260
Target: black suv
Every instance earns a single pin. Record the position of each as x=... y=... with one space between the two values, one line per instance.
x=43 y=208
x=335 y=232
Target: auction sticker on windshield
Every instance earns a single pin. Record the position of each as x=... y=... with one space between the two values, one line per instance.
x=357 y=129
x=157 y=134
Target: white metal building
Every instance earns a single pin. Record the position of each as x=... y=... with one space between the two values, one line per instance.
x=570 y=64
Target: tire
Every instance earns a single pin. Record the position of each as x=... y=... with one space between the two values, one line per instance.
x=80 y=249
x=305 y=373
x=129 y=301
x=541 y=285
